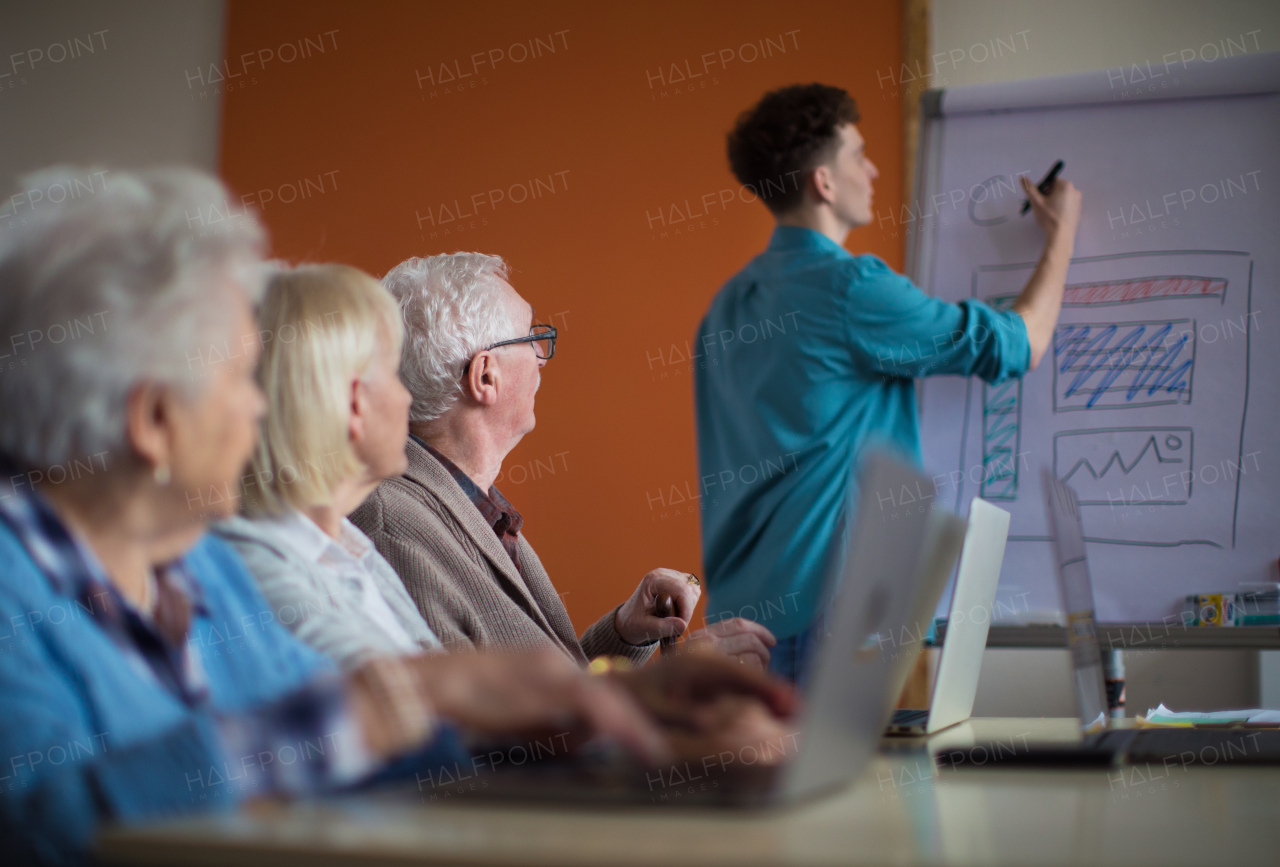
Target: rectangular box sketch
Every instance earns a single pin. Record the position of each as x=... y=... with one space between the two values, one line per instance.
x=1123 y=365
x=1126 y=466
x=1001 y=423
x=1110 y=292
x=1139 y=404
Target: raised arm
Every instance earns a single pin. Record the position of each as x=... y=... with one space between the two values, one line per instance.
x=1041 y=300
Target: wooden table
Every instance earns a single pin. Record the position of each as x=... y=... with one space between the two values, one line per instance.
x=902 y=810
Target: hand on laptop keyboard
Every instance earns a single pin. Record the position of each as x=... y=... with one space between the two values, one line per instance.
x=707 y=704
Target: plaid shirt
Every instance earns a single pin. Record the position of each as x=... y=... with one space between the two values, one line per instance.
x=159 y=647
x=497 y=512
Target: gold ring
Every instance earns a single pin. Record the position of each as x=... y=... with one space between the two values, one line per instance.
x=693 y=579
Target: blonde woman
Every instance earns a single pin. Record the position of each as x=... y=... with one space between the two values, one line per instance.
x=334 y=429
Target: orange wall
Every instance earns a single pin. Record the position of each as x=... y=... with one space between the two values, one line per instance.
x=359 y=154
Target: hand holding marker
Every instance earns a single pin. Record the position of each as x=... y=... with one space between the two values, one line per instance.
x=1043 y=187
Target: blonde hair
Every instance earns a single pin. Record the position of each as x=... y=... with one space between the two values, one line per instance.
x=321 y=326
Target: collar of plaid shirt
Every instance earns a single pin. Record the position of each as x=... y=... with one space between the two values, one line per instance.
x=497 y=512
x=158 y=644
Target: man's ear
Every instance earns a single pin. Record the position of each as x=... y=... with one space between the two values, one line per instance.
x=820 y=182
x=149 y=423
x=482 y=379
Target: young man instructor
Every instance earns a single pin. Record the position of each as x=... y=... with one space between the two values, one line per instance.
x=846 y=338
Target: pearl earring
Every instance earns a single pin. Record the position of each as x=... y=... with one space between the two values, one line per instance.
x=163 y=476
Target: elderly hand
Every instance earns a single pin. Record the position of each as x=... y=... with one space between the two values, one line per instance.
x=735 y=729
x=636 y=621
x=677 y=691
x=711 y=706
x=746 y=640
x=535 y=692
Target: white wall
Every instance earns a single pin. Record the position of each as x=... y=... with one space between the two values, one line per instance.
x=126 y=103
x=1056 y=38
x=1001 y=40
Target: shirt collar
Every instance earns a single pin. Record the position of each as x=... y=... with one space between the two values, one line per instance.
x=311 y=543
x=69 y=565
x=499 y=513
x=73 y=571
x=797 y=238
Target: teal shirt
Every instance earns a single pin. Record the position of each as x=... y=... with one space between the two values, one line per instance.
x=808 y=356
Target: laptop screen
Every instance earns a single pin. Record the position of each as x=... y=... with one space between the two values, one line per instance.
x=1072 y=570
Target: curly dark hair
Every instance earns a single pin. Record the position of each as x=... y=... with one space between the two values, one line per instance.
x=785 y=136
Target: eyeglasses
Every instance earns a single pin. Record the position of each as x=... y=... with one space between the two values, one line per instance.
x=543 y=338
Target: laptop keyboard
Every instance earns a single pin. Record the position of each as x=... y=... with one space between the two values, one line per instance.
x=1206 y=746
x=905 y=716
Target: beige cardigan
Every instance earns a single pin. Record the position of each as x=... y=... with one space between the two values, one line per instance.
x=463 y=580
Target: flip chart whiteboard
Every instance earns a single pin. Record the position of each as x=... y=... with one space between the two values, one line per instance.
x=1159 y=401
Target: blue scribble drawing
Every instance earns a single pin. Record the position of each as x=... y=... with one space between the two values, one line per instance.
x=1001 y=417
x=1114 y=365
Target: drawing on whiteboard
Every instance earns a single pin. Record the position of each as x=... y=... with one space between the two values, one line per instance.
x=1001 y=410
x=1146 y=289
x=1123 y=364
x=1126 y=466
x=1139 y=335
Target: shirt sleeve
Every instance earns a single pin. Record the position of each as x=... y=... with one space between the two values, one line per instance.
x=898 y=330
x=345 y=635
x=61 y=775
x=602 y=639
x=305 y=742
x=235 y=595
x=304 y=738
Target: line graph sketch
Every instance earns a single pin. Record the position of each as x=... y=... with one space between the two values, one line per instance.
x=1126 y=466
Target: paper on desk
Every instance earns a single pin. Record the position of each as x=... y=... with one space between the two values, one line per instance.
x=1163 y=716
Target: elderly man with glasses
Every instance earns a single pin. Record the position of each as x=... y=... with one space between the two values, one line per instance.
x=472 y=359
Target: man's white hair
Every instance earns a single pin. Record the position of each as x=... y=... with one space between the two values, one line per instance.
x=452 y=307
x=107 y=284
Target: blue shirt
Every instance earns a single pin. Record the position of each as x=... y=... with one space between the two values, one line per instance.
x=808 y=356
x=99 y=721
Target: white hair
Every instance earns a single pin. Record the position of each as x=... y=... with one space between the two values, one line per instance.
x=452 y=308
x=122 y=280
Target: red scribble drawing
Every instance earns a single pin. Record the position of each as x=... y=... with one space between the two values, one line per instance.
x=1141 y=289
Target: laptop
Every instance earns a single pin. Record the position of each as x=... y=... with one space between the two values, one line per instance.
x=960 y=662
x=900 y=553
x=1098 y=745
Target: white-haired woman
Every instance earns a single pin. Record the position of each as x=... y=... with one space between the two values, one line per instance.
x=142 y=672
